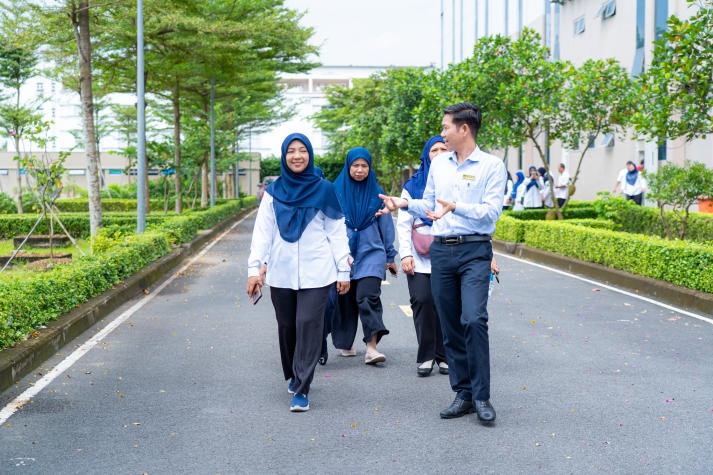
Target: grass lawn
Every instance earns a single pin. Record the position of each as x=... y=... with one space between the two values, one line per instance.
x=21 y=269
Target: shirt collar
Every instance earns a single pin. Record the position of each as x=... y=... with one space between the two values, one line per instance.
x=473 y=157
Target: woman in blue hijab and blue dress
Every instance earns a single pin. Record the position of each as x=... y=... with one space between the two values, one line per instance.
x=299 y=232
x=371 y=243
x=416 y=264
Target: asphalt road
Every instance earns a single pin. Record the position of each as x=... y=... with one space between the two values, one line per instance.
x=585 y=379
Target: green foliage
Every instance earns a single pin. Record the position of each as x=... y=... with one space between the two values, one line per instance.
x=676 y=89
x=581 y=212
x=678 y=262
x=679 y=188
x=25 y=304
x=7 y=204
x=613 y=207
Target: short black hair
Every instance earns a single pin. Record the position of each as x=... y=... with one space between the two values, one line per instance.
x=465 y=113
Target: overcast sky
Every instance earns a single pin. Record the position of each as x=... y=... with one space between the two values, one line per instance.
x=374 y=32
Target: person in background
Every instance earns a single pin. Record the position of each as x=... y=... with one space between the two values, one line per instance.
x=416 y=264
x=562 y=185
x=371 y=242
x=545 y=192
x=533 y=184
x=464 y=199
x=509 y=193
x=518 y=192
x=299 y=233
x=630 y=183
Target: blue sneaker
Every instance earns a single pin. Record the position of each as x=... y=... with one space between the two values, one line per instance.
x=291 y=386
x=299 y=403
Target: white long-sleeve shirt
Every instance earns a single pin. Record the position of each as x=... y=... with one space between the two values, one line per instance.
x=404 y=224
x=318 y=258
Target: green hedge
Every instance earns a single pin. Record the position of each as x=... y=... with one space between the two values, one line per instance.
x=573 y=212
x=681 y=263
x=81 y=205
x=28 y=303
x=643 y=220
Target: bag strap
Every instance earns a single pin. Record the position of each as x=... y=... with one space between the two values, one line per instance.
x=420 y=225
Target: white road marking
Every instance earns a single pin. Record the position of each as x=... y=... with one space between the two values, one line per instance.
x=67 y=363
x=407 y=310
x=613 y=289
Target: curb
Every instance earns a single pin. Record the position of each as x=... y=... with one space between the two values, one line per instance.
x=19 y=360
x=693 y=300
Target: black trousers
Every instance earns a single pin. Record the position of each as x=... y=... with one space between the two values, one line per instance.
x=363 y=301
x=300 y=326
x=460 y=275
x=635 y=198
x=425 y=319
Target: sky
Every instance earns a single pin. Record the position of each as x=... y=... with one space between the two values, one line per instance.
x=374 y=32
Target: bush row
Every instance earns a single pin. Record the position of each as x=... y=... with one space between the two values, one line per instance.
x=28 y=303
x=683 y=263
x=81 y=205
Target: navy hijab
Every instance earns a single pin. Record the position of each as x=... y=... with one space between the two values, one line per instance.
x=631 y=176
x=360 y=199
x=417 y=183
x=532 y=182
x=299 y=196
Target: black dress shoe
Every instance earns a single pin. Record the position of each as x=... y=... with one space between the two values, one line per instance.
x=424 y=371
x=485 y=410
x=458 y=408
x=323 y=358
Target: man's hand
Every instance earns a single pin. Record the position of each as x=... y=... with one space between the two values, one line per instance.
x=446 y=207
x=342 y=287
x=407 y=265
x=391 y=203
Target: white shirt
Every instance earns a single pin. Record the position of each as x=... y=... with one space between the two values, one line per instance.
x=631 y=190
x=404 y=223
x=533 y=196
x=476 y=186
x=318 y=258
x=562 y=180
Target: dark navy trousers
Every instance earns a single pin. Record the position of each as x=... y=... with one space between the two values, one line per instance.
x=460 y=275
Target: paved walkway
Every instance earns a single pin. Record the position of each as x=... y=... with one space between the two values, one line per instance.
x=586 y=379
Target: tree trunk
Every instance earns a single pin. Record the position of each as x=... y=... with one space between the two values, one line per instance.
x=19 y=177
x=80 y=20
x=204 y=182
x=177 y=147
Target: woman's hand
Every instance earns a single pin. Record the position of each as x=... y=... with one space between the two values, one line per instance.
x=254 y=284
x=342 y=287
x=407 y=265
x=391 y=267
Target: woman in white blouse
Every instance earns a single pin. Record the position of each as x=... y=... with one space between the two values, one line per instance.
x=300 y=234
x=416 y=264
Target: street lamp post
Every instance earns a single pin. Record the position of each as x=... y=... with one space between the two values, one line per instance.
x=140 y=123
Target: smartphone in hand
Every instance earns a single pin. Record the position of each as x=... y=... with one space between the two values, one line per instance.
x=256 y=296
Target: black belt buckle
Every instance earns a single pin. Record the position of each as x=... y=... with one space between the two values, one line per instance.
x=451 y=240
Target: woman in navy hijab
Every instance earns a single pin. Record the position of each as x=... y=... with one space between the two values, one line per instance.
x=371 y=243
x=416 y=264
x=299 y=233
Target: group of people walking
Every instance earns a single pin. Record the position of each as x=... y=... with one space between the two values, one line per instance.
x=534 y=190
x=315 y=242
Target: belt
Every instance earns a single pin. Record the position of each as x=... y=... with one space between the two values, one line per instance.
x=452 y=240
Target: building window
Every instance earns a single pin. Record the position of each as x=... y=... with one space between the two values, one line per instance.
x=579 y=26
x=608 y=9
x=608 y=140
x=40 y=87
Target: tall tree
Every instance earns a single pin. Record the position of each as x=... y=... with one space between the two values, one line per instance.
x=18 y=63
x=677 y=91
